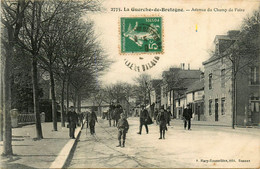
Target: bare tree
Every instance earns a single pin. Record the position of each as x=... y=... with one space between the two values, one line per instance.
x=144 y=87
x=11 y=18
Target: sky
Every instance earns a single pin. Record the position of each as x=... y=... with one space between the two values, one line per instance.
x=181 y=42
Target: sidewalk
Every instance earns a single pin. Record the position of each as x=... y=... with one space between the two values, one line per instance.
x=215 y=125
x=37 y=154
x=211 y=123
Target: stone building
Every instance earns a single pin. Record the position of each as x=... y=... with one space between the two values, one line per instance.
x=219 y=87
x=195 y=97
x=174 y=84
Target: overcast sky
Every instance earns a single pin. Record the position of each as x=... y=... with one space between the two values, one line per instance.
x=182 y=44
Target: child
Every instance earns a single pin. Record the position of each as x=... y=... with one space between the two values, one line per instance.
x=122 y=129
x=162 y=120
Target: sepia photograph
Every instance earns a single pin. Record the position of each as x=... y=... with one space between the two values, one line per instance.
x=130 y=84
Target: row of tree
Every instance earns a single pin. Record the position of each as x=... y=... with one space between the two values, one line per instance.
x=123 y=92
x=48 y=40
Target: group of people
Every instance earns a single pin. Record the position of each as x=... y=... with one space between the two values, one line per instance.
x=113 y=114
x=119 y=118
x=75 y=120
x=117 y=115
x=163 y=117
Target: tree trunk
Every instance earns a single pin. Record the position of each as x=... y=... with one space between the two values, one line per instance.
x=75 y=99
x=1 y=102
x=62 y=104
x=150 y=104
x=36 y=98
x=53 y=100
x=233 y=95
x=67 y=96
x=7 y=139
x=79 y=103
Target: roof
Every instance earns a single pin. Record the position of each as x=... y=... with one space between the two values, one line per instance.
x=196 y=86
x=211 y=59
x=181 y=79
x=224 y=37
x=183 y=74
x=190 y=74
x=224 y=45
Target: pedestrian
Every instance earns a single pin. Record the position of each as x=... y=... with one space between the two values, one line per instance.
x=187 y=115
x=123 y=127
x=117 y=111
x=92 y=121
x=143 y=119
x=169 y=114
x=162 y=119
x=73 y=120
x=81 y=117
x=156 y=112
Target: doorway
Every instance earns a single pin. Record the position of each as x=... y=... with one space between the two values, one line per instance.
x=216 y=109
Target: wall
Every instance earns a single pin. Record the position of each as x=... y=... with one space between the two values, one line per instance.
x=218 y=92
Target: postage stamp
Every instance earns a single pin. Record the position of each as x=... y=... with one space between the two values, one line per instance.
x=141 y=35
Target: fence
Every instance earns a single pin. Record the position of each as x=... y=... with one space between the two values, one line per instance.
x=29 y=118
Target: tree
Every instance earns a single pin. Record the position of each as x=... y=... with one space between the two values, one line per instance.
x=144 y=87
x=11 y=18
x=60 y=13
x=118 y=92
x=21 y=81
x=30 y=39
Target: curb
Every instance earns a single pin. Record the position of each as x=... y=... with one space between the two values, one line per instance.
x=65 y=153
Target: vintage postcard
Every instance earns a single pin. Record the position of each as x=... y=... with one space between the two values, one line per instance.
x=130 y=84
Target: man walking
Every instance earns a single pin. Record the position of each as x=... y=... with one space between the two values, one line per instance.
x=110 y=113
x=118 y=110
x=123 y=127
x=73 y=120
x=92 y=121
x=169 y=115
x=187 y=114
x=162 y=119
x=143 y=118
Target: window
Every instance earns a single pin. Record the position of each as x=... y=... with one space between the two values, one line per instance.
x=210 y=107
x=223 y=107
x=255 y=104
x=254 y=75
x=210 y=81
x=223 y=84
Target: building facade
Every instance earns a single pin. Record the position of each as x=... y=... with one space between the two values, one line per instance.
x=224 y=93
x=174 y=85
x=195 y=98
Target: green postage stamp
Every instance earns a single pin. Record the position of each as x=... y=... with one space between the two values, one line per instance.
x=141 y=35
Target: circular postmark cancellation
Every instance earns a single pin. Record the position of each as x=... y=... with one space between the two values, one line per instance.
x=141 y=37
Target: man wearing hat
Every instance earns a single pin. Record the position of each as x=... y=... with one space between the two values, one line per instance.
x=162 y=120
x=187 y=115
x=143 y=118
x=73 y=120
x=169 y=114
x=123 y=127
x=92 y=121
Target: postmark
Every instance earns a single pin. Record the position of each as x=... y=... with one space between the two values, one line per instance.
x=141 y=35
